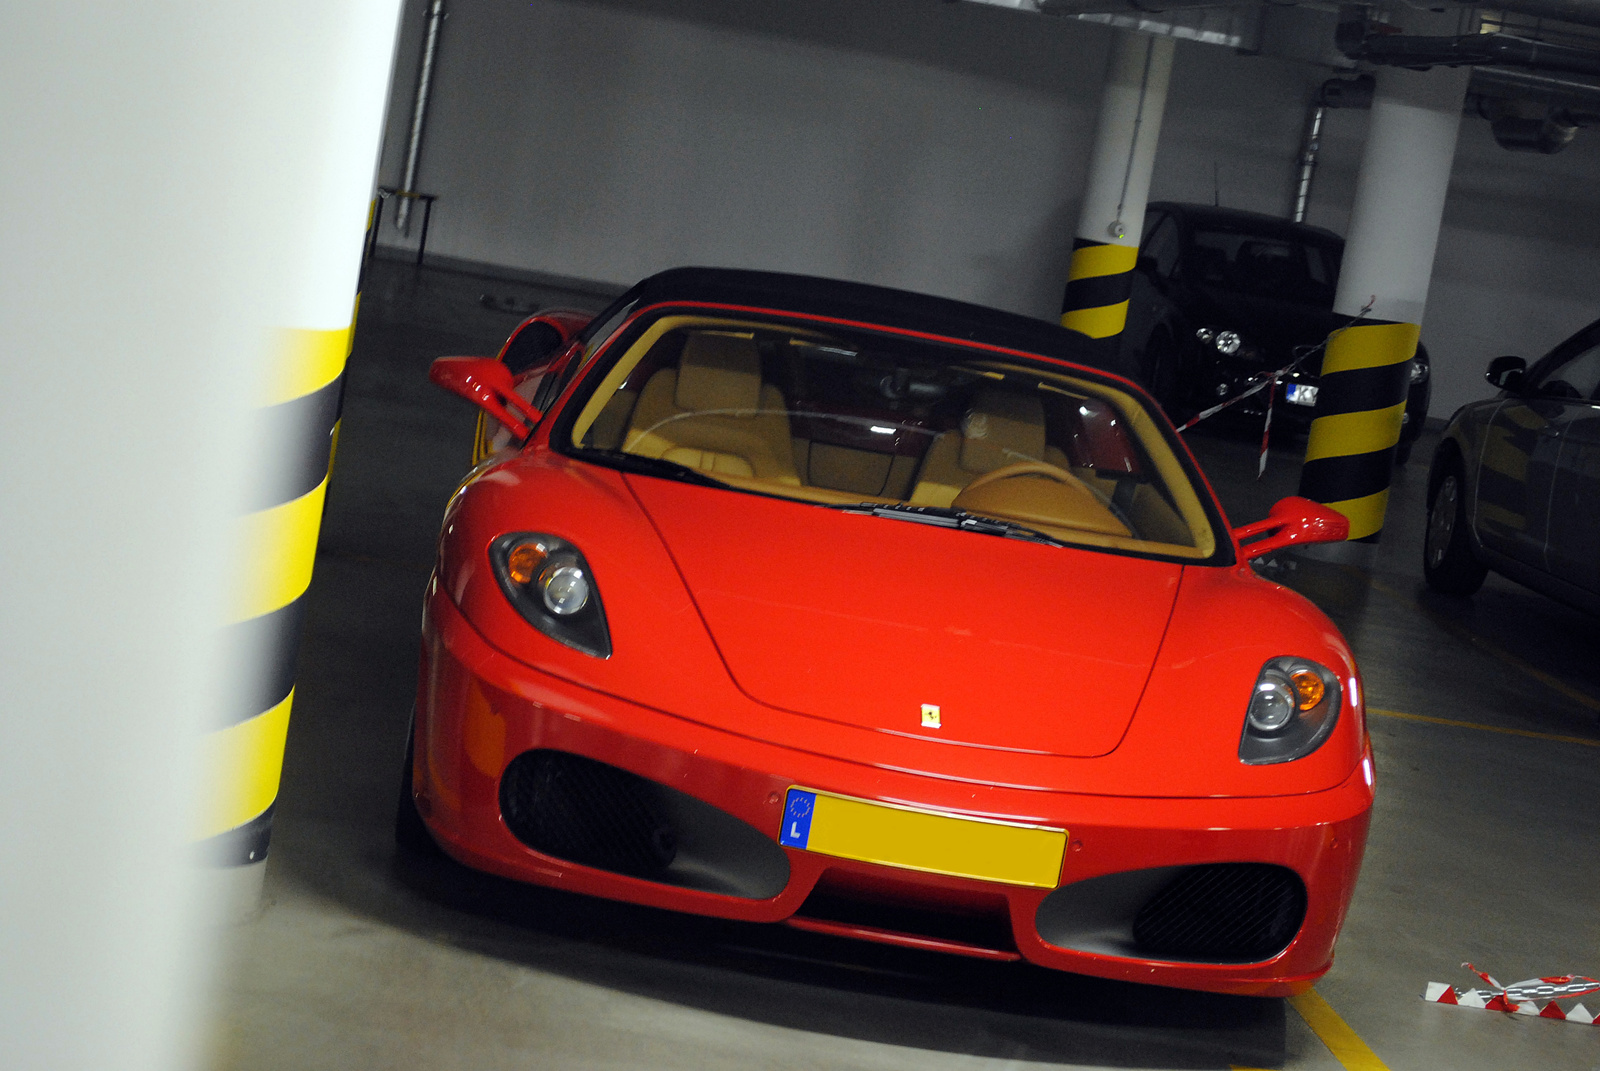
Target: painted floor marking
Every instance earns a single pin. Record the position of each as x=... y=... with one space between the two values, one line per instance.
x=1345 y=1044
x=1488 y=647
x=1586 y=741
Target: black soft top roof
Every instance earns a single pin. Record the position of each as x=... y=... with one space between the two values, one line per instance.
x=1242 y=219
x=875 y=305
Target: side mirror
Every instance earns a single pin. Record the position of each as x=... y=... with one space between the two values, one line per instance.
x=487 y=384
x=1293 y=521
x=1506 y=373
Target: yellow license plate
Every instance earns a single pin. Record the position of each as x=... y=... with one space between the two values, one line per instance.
x=922 y=840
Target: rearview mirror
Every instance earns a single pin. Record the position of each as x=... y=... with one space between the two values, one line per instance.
x=1293 y=521
x=487 y=384
x=1506 y=373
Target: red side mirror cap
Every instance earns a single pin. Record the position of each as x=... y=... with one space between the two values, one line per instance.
x=1293 y=521
x=487 y=384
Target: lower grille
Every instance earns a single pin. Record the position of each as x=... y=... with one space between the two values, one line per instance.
x=587 y=812
x=1238 y=912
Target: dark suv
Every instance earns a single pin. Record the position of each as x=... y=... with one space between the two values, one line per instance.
x=1221 y=295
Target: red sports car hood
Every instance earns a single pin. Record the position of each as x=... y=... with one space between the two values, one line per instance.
x=871 y=621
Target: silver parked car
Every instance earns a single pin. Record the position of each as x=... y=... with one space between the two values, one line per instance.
x=1515 y=483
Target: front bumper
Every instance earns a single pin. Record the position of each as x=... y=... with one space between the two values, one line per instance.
x=479 y=710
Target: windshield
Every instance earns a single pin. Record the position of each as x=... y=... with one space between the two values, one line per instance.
x=1286 y=267
x=844 y=418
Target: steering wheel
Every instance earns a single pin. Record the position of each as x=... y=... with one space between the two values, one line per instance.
x=1049 y=471
x=1027 y=468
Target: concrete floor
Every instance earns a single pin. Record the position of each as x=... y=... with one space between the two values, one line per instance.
x=1483 y=846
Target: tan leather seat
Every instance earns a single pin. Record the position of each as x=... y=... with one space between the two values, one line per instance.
x=713 y=413
x=1000 y=428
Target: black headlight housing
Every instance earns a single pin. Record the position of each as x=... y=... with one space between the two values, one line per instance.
x=550 y=583
x=1292 y=710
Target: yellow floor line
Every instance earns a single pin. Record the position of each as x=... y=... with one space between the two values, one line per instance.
x=1490 y=648
x=1345 y=1044
x=1586 y=741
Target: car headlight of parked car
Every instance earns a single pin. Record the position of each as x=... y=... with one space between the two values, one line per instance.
x=1291 y=712
x=550 y=584
x=1228 y=343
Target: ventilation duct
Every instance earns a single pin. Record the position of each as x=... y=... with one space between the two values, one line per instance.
x=1399 y=50
x=1527 y=126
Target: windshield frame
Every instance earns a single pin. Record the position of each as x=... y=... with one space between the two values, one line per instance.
x=609 y=351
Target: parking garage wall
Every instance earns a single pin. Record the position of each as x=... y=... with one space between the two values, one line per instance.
x=935 y=147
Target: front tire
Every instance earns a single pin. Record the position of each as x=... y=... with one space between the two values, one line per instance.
x=410 y=832
x=1448 y=563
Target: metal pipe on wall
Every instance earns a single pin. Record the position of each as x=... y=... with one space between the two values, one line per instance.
x=419 y=114
x=1309 y=149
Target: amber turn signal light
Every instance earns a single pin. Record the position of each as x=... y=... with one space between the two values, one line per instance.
x=1308 y=688
x=525 y=561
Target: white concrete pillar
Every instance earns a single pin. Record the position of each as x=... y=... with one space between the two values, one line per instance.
x=1112 y=217
x=183 y=193
x=1388 y=262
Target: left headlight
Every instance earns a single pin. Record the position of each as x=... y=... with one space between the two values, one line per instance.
x=1291 y=712
x=550 y=584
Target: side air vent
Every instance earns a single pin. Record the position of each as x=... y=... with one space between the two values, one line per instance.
x=601 y=816
x=586 y=811
x=1225 y=912
x=1216 y=913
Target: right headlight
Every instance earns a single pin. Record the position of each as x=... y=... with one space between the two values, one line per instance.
x=549 y=582
x=1291 y=712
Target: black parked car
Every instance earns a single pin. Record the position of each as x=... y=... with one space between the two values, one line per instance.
x=1220 y=295
x=1515 y=482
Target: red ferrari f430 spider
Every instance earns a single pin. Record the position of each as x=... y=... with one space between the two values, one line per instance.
x=808 y=602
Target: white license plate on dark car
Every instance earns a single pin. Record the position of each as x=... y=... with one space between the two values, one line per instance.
x=1302 y=394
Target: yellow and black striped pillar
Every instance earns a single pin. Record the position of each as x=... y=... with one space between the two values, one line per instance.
x=1100 y=276
x=1360 y=403
x=243 y=756
x=1383 y=288
x=1099 y=280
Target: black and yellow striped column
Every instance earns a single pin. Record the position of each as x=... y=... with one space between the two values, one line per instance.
x=1099 y=280
x=1360 y=403
x=1383 y=288
x=1100 y=276
x=242 y=758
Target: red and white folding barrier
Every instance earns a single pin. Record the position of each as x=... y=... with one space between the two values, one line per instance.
x=1522 y=998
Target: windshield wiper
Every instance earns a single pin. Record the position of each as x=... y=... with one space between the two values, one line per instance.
x=945 y=517
x=651 y=466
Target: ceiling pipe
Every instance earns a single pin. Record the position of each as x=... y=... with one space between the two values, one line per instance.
x=419 y=113
x=1119 y=7
x=1401 y=50
x=1571 y=93
x=1582 y=12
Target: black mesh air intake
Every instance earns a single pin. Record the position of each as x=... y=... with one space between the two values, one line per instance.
x=1224 y=912
x=587 y=812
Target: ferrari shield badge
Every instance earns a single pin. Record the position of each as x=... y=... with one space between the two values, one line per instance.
x=930 y=716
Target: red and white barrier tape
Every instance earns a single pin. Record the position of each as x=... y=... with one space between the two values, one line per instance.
x=1270 y=381
x=1522 y=998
